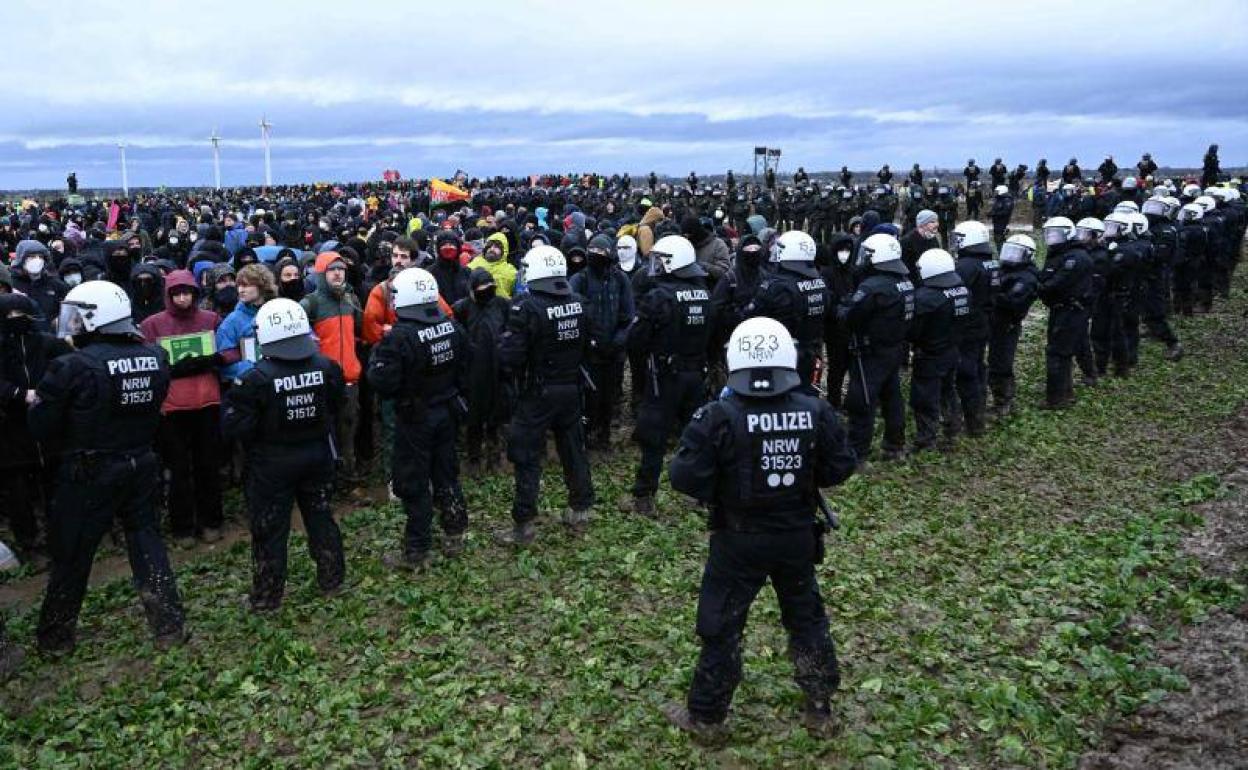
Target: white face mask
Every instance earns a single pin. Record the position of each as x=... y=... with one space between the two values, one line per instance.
x=73 y=279
x=33 y=266
x=173 y=241
x=842 y=257
x=43 y=228
x=192 y=237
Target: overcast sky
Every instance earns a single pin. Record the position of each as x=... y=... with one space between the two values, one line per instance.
x=353 y=88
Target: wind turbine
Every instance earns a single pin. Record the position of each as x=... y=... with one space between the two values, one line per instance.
x=216 y=158
x=125 y=182
x=265 y=125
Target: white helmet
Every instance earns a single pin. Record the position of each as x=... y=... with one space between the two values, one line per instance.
x=795 y=251
x=95 y=306
x=1139 y=224
x=1217 y=193
x=283 y=331
x=1191 y=212
x=415 y=295
x=626 y=250
x=1129 y=183
x=1207 y=202
x=1157 y=206
x=1175 y=205
x=546 y=269
x=1018 y=250
x=1000 y=190
x=1191 y=190
x=674 y=252
x=1126 y=206
x=795 y=246
x=762 y=359
x=883 y=252
x=971 y=237
x=935 y=262
x=1117 y=224
x=1089 y=228
x=1058 y=230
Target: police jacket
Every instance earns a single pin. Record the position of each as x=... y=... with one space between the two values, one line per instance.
x=879 y=312
x=983 y=278
x=1066 y=278
x=1020 y=285
x=420 y=364
x=546 y=339
x=104 y=397
x=1193 y=242
x=673 y=322
x=285 y=403
x=798 y=300
x=760 y=461
x=1165 y=238
x=937 y=313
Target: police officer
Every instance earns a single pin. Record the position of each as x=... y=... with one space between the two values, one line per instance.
x=1115 y=319
x=1088 y=232
x=941 y=305
x=758 y=457
x=672 y=330
x=282 y=411
x=877 y=316
x=422 y=364
x=1193 y=243
x=1020 y=283
x=981 y=274
x=543 y=348
x=1065 y=288
x=796 y=296
x=1158 y=213
x=102 y=405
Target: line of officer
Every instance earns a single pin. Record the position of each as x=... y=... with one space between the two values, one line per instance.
x=757 y=457
x=1156 y=274
x=422 y=364
x=877 y=316
x=941 y=307
x=796 y=296
x=543 y=347
x=282 y=412
x=672 y=330
x=1065 y=288
x=102 y=404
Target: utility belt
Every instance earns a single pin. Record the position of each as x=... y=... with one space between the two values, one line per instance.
x=86 y=465
x=674 y=363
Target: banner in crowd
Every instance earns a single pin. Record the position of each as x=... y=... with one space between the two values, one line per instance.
x=443 y=193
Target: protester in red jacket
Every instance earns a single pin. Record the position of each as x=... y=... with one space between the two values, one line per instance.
x=189 y=438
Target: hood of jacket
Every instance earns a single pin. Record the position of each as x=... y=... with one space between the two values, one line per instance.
x=176 y=279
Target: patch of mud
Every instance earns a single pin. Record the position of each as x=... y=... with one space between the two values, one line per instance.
x=1206 y=726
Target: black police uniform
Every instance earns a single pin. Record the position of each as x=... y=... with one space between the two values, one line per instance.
x=981 y=274
x=758 y=462
x=1020 y=285
x=1065 y=288
x=422 y=364
x=941 y=306
x=797 y=296
x=672 y=330
x=1115 y=320
x=282 y=412
x=1188 y=264
x=545 y=342
x=877 y=315
x=1085 y=355
x=1154 y=275
x=102 y=405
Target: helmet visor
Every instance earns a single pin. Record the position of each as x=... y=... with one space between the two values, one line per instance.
x=1015 y=253
x=71 y=320
x=1055 y=235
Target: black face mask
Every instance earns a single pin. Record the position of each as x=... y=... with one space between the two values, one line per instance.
x=751 y=258
x=119 y=263
x=485 y=295
x=599 y=262
x=145 y=288
x=227 y=297
x=292 y=289
x=17 y=324
x=134 y=252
